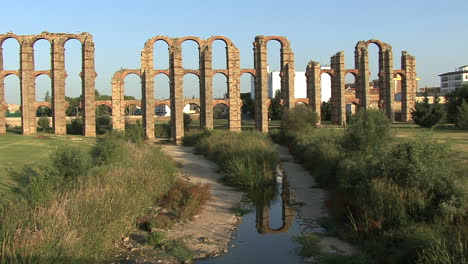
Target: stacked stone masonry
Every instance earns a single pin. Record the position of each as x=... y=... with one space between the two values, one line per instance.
x=205 y=73
x=27 y=75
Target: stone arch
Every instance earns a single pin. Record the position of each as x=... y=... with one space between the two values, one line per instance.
x=43 y=57
x=43 y=110
x=220 y=54
x=103 y=108
x=41 y=86
x=160 y=61
x=15 y=53
x=200 y=44
x=192 y=83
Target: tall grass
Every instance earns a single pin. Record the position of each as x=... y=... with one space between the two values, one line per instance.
x=248 y=159
x=79 y=224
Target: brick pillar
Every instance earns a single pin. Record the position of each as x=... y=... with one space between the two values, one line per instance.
x=235 y=102
x=361 y=63
x=287 y=76
x=261 y=84
x=206 y=87
x=118 y=107
x=2 y=96
x=88 y=82
x=58 y=87
x=408 y=85
x=147 y=80
x=314 y=87
x=28 y=93
x=177 y=96
x=389 y=84
x=338 y=89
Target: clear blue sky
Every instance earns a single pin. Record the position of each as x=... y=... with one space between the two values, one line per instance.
x=436 y=32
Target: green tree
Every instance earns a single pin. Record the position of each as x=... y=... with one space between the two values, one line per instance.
x=426 y=114
x=73 y=106
x=47 y=97
x=462 y=115
x=298 y=118
x=455 y=99
x=275 y=110
x=325 y=111
x=248 y=105
x=44 y=123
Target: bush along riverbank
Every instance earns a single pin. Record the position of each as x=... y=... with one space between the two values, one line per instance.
x=248 y=159
x=73 y=208
x=398 y=199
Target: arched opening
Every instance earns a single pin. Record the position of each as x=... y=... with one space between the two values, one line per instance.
x=103 y=110
x=220 y=86
x=351 y=109
x=43 y=86
x=400 y=101
x=325 y=108
x=162 y=110
x=190 y=55
x=13 y=101
x=43 y=110
x=161 y=87
x=373 y=59
x=221 y=116
x=42 y=51
x=161 y=55
x=132 y=87
x=191 y=116
x=11 y=54
x=219 y=54
x=133 y=110
x=73 y=86
x=191 y=86
x=248 y=101
x=274 y=67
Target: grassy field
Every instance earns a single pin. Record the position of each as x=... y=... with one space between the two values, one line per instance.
x=17 y=151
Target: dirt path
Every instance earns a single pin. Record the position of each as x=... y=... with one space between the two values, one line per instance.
x=210 y=232
x=303 y=186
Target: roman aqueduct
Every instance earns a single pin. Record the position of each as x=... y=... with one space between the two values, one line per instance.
x=205 y=73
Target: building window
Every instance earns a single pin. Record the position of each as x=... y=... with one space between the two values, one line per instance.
x=445 y=78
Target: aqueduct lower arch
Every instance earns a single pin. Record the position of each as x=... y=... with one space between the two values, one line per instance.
x=175 y=72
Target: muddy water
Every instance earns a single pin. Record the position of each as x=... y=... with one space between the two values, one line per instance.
x=266 y=233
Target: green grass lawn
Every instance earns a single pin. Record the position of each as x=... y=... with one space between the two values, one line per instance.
x=16 y=151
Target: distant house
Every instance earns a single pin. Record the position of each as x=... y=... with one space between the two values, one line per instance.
x=450 y=81
x=13 y=108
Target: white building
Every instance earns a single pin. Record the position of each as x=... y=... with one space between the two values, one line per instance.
x=300 y=84
x=450 y=81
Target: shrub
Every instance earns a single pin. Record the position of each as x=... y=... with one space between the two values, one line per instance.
x=298 y=118
x=69 y=162
x=75 y=127
x=187 y=121
x=109 y=148
x=44 y=123
x=155 y=239
x=462 y=115
x=428 y=115
x=193 y=137
x=135 y=133
x=248 y=158
x=103 y=124
x=162 y=130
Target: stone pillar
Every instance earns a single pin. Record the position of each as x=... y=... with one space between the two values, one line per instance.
x=314 y=88
x=206 y=87
x=287 y=76
x=88 y=82
x=389 y=84
x=235 y=102
x=28 y=93
x=177 y=96
x=118 y=106
x=338 y=89
x=147 y=103
x=58 y=87
x=2 y=96
x=361 y=63
x=408 y=85
x=261 y=84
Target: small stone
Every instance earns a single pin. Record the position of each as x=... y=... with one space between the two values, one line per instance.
x=126 y=239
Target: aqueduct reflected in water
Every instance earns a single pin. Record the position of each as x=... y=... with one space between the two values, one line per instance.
x=205 y=73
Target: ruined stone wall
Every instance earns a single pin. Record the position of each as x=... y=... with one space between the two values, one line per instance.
x=27 y=75
x=364 y=97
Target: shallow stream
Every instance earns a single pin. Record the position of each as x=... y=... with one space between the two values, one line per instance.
x=266 y=233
